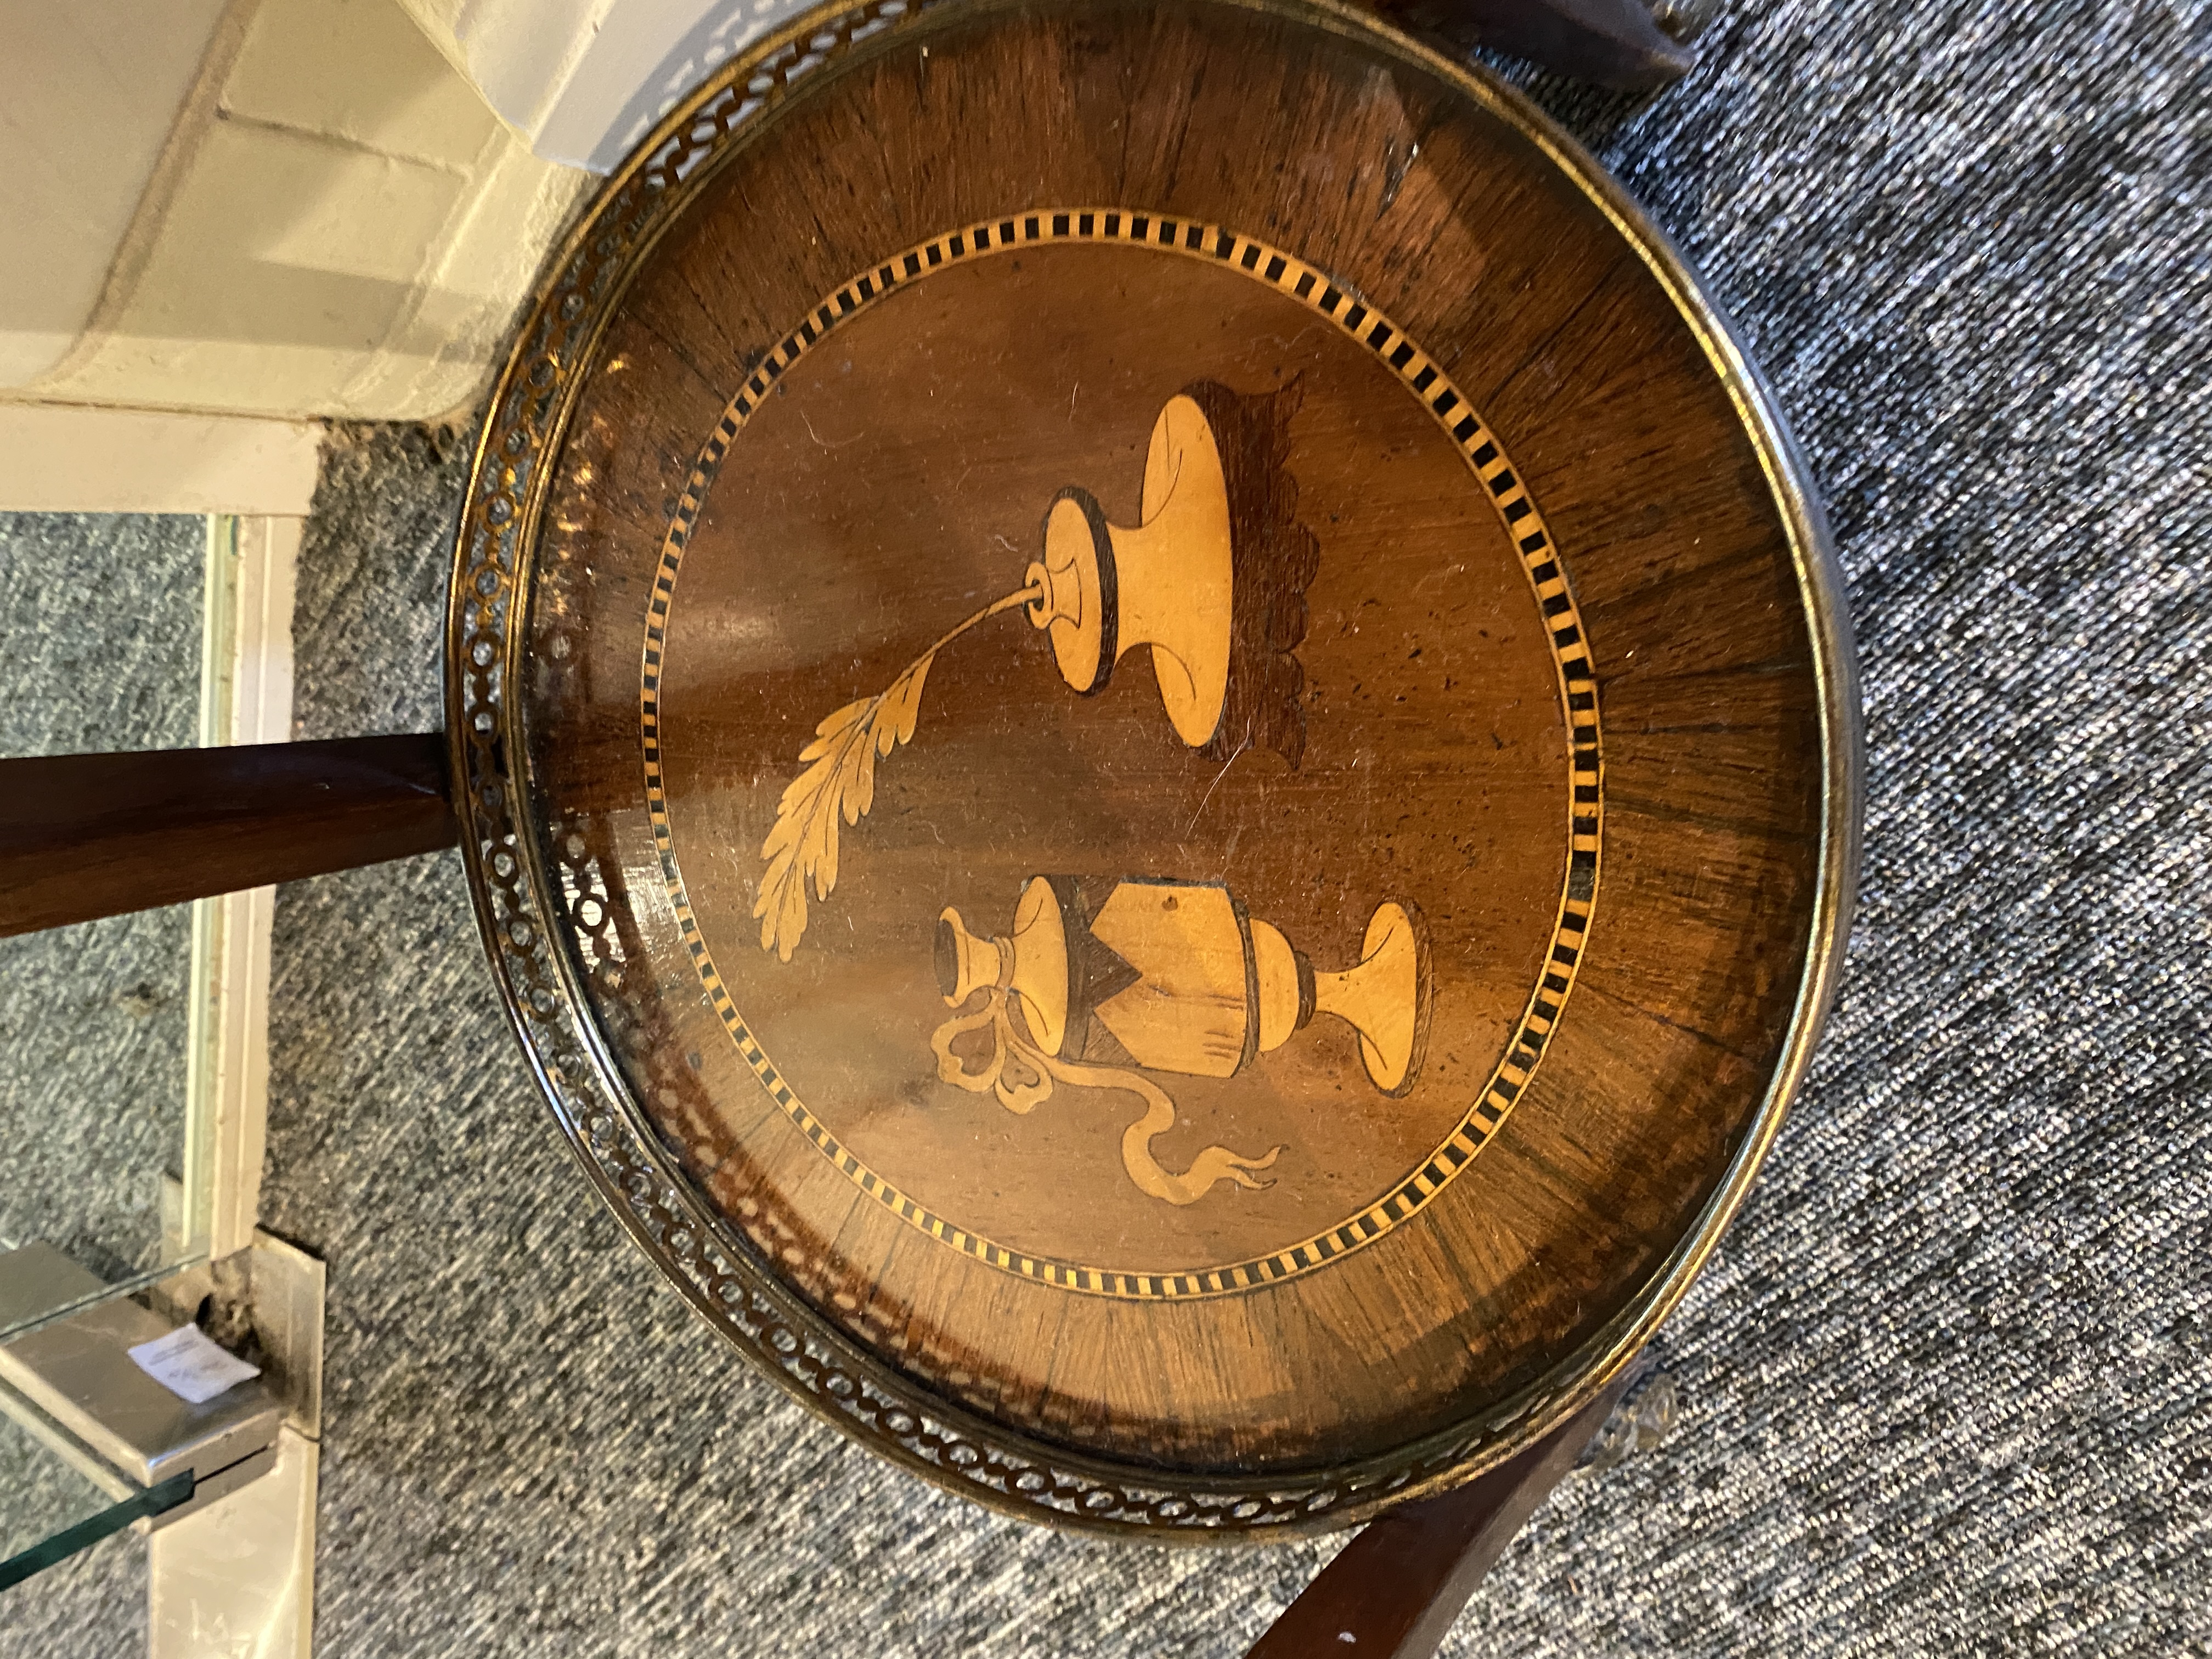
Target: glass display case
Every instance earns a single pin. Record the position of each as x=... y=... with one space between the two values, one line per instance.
x=104 y=1161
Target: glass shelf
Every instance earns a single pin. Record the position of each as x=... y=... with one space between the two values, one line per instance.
x=59 y=1499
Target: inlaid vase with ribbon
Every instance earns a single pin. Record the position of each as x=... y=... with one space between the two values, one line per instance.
x=1100 y=980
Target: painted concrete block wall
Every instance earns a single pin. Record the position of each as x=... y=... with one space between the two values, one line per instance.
x=582 y=81
x=72 y=180
x=336 y=226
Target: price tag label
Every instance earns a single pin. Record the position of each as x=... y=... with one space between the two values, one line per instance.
x=190 y=1366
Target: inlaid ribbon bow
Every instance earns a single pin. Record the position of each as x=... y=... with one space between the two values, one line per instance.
x=1011 y=1045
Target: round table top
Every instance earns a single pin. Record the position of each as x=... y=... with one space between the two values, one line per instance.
x=1158 y=748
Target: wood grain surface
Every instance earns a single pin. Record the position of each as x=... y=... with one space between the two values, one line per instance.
x=769 y=505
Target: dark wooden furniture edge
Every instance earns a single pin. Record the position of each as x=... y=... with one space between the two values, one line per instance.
x=1624 y=45
x=83 y=836
x=1394 y=1591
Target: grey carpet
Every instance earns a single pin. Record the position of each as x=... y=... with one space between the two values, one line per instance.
x=100 y=617
x=1945 y=1388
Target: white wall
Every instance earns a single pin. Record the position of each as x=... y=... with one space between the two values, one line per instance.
x=291 y=208
x=88 y=92
x=582 y=81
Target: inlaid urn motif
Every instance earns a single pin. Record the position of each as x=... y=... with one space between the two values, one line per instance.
x=1099 y=979
x=1211 y=581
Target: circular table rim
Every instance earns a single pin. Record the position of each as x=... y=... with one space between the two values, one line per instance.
x=821 y=1368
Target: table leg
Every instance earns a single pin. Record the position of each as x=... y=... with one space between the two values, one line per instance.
x=88 y=835
x=1394 y=1590
x=1619 y=44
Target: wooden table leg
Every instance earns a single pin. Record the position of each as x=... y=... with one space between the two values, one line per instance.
x=1619 y=44
x=1394 y=1591
x=89 y=836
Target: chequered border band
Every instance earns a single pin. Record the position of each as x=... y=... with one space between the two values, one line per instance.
x=1571 y=654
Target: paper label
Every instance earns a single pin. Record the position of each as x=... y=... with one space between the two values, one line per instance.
x=190 y=1366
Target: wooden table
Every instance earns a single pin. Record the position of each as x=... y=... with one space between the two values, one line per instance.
x=1156 y=745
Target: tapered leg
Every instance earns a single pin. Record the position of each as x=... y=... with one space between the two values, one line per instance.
x=89 y=836
x=1394 y=1591
x=1610 y=43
